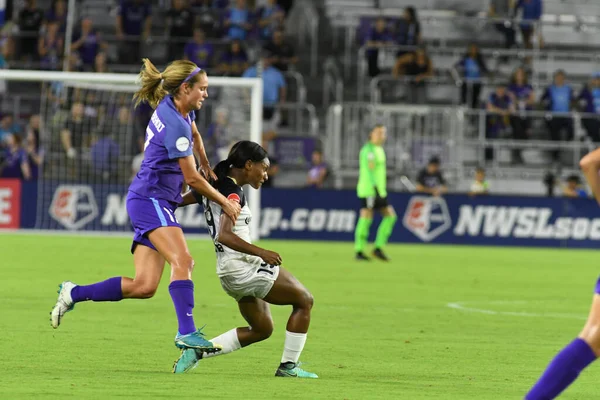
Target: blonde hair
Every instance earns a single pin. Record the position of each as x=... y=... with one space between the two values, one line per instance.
x=156 y=85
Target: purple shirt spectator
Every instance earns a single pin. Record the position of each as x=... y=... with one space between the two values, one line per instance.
x=105 y=155
x=58 y=14
x=133 y=14
x=234 y=61
x=198 y=51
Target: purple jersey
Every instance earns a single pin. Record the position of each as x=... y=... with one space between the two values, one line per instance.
x=168 y=138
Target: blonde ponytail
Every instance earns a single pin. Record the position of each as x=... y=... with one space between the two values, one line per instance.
x=156 y=85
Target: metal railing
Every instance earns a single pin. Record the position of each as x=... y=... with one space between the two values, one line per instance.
x=333 y=84
x=461 y=137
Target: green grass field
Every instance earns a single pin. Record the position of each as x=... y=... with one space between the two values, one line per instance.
x=379 y=331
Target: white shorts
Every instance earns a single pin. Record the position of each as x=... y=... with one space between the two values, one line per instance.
x=256 y=280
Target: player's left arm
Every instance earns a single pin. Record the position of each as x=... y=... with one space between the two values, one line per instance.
x=590 y=165
x=190 y=197
x=227 y=238
x=201 y=150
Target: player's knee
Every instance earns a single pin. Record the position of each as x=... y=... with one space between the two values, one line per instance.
x=183 y=261
x=266 y=330
x=307 y=300
x=145 y=291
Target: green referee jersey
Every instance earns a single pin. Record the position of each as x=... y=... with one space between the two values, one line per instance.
x=372 y=171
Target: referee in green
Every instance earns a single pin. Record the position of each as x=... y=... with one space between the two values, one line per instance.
x=371 y=190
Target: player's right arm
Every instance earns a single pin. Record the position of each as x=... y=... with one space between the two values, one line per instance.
x=367 y=161
x=227 y=238
x=201 y=186
x=590 y=165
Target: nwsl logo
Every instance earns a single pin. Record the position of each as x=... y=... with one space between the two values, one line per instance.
x=73 y=206
x=427 y=217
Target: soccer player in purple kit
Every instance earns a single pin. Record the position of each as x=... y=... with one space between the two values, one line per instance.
x=581 y=352
x=153 y=197
x=253 y=276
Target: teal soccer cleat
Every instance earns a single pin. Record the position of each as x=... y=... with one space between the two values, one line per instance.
x=187 y=360
x=196 y=340
x=291 y=370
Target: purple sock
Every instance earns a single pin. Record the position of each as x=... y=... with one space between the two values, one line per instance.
x=108 y=290
x=562 y=371
x=182 y=293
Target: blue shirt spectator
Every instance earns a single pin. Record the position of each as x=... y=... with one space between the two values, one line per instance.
x=238 y=21
x=198 y=51
x=589 y=98
x=499 y=106
x=472 y=64
x=133 y=17
x=271 y=18
x=273 y=83
x=532 y=10
x=559 y=96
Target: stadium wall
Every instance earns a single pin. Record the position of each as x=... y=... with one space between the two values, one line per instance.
x=327 y=215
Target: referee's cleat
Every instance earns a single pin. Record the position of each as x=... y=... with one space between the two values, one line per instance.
x=291 y=370
x=378 y=253
x=360 y=256
x=196 y=340
x=64 y=303
x=187 y=360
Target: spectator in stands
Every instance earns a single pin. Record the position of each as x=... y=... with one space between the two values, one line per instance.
x=471 y=68
x=480 y=185
x=589 y=102
x=7 y=126
x=274 y=89
x=216 y=137
x=88 y=44
x=318 y=172
x=30 y=22
x=35 y=154
x=199 y=51
x=284 y=55
x=524 y=99
x=502 y=9
x=559 y=98
x=532 y=12
x=417 y=68
x=499 y=108
x=105 y=156
x=207 y=17
x=134 y=22
x=180 y=27
x=238 y=21
x=408 y=31
x=234 y=61
x=58 y=14
x=430 y=179
x=378 y=37
x=50 y=47
x=15 y=164
x=270 y=18
x=573 y=187
x=76 y=131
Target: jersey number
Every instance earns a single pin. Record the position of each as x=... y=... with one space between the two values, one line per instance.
x=211 y=228
x=149 y=136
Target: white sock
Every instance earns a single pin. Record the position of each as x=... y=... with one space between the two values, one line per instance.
x=229 y=341
x=294 y=343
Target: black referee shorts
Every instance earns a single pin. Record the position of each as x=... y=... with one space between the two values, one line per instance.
x=373 y=203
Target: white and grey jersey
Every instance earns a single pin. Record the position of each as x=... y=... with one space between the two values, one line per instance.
x=228 y=260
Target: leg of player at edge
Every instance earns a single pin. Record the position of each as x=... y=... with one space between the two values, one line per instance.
x=384 y=231
x=571 y=360
x=149 y=263
x=361 y=233
x=286 y=290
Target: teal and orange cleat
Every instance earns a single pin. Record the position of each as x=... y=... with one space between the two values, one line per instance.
x=196 y=340
x=187 y=360
x=291 y=370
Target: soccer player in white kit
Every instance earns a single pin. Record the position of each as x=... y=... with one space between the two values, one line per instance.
x=253 y=276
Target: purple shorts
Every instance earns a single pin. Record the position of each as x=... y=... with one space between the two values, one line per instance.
x=146 y=215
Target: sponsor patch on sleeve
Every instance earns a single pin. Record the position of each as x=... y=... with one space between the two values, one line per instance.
x=234 y=197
